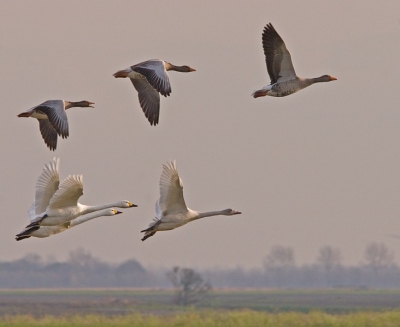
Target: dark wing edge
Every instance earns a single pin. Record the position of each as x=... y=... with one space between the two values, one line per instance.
x=149 y=100
x=49 y=134
x=161 y=85
x=57 y=118
x=272 y=43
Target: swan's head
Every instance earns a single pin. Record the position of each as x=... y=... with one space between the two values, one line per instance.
x=231 y=212
x=126 y=204
x=114 y=212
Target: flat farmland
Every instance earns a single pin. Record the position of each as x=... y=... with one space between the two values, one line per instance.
x=113 y=302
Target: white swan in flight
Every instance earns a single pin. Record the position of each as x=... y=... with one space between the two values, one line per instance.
x=150 y=78
x=57 y=203
x=171 y=209
x=53 y=119
x=284 y=80
x=46 y=231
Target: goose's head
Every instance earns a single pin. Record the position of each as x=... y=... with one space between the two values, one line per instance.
x=83 y=103
x=187 y=69
x=125 y=204
x=327 y=78
x=230 y=212
x=182 y=69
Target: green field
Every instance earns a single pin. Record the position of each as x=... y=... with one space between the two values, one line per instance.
x=213 y=318
x=341 y=307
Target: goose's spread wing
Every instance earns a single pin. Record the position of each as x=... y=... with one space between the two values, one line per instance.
x=54 y=109
x=277 y=57
x=156 y=75
x=149 y=99
x=49 y=134
x=68 y=193
x=171 y=190
x=46 y=187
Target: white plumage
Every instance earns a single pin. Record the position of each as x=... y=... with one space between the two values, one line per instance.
x=57 y=203
x=171 y=208
x=46 y=231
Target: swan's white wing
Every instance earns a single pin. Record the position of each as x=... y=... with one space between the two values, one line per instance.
x=54 y=109
x=149 y=99
x=46 y=186
x=156 y=75
x=158 y=210
x=158 y=217
x=277 y=56
x=31 y=212
x=68 y=193
x=171 y=190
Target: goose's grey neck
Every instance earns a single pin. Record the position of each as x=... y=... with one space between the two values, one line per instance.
x=68 y=104
x=308 y=81
x=176 y=68
x=182 y=69
x=320 y=79
x=71 y=104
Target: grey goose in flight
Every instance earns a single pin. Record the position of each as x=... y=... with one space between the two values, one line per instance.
x=53 y=119
x=150 y=78
x=284 y=80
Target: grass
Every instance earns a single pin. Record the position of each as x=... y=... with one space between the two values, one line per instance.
x=214 y=318
x=271 y=308
x=113 y=302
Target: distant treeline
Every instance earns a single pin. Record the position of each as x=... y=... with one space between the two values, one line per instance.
x=279 y=270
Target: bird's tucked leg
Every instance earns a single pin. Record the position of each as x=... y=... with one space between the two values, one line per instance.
x=147 y=236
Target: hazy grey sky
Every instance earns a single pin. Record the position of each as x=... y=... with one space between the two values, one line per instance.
x=320 y=167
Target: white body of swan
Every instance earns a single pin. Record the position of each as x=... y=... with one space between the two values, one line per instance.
x=284 y=80
x=53 y=119
x=57 y=203
x=171 y=209
x=150 y=78
x=46 y=231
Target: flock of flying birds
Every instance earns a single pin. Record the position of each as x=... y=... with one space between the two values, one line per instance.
x=56 y=207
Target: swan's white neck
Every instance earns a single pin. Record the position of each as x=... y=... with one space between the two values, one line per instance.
x=89 y=209
x=87 y=217
x=209 y=214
